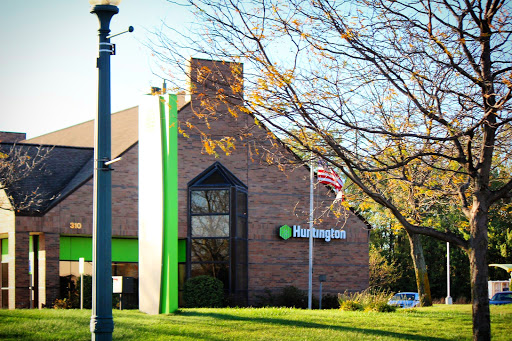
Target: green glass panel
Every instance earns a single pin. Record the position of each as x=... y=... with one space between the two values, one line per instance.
x=182 y=251
x=123 y=249
x=209 y=250
x=241 y=227
x=5 y=247
x=212 y=201
x=241 y=203
x=80 y=247
x=217 y=270
x=65 y=248
x=210 y=226
x=5 y=281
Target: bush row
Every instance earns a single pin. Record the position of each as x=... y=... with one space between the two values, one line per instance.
x=206 y=291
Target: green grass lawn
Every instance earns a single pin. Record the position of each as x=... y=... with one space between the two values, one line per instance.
x=440 y=322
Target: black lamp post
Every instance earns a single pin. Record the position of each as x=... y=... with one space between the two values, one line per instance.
x=102 y=323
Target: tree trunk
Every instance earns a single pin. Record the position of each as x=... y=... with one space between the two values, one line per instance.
x=479 y=276
x=420 y=269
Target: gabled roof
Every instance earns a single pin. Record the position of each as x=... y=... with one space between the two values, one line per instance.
x=63 y=169
x=216 y=175
x=70 y=159
x=125 y=132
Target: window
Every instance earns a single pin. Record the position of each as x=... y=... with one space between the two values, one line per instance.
x=217 y=233
x=4 y=273
x=124 y=263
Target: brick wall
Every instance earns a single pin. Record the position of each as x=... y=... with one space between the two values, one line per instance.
x=276 y=197
x=49 y=280
x=20 y=296
x=76 y=208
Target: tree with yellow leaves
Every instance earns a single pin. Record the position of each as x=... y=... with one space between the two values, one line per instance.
x=410 y=95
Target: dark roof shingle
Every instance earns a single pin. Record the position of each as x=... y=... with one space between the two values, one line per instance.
x=62 y=170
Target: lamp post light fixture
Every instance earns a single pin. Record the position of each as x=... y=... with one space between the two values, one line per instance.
x=102 y=322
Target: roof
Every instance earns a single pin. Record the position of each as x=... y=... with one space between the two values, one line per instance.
x=216 y=175
x=49 y=174
x=125 y=132
x=69 y=160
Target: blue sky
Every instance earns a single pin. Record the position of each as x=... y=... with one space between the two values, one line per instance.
x=48 y=77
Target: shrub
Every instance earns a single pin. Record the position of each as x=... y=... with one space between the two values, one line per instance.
x=330 y=301
x=369 y=300
x=203 y=291
x=380 y=307
x=61 y=304
x=461 y=300
x=238 y=300
x=266 y=299
x=350 y=305
x=292 y=297
x=75 y=297
x=346 y=296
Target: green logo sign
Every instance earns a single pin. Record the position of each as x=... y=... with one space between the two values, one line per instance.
x=285 y=232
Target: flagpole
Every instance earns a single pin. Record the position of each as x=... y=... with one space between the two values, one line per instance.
x=448 y=297
x=310 y=272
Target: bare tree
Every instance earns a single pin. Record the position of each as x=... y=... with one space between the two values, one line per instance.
x=17 y=164
x=399 y=95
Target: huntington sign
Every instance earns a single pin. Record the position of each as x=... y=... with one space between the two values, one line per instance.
x=287 y=232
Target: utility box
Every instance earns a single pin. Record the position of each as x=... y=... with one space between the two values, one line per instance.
x=123 y=285
x=497 y=286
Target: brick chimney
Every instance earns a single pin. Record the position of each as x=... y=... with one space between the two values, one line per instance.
x=213 y=79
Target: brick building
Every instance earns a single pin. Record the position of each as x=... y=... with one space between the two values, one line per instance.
x=41 y=244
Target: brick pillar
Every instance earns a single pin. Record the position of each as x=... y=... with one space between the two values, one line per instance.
x=41 y=280
x=49 y=280
x=19 y=279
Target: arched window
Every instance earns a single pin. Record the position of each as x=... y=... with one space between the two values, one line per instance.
x=217 y=230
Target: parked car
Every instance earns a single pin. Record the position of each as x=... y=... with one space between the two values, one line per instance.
x=405 y=300
x=499 y=298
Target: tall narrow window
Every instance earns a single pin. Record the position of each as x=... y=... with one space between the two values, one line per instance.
x=4 y=273
x=217 y=233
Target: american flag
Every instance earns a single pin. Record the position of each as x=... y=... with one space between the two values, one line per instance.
x=329 y=177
